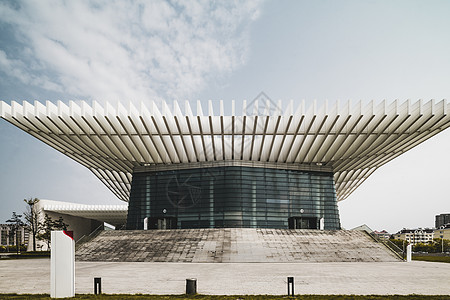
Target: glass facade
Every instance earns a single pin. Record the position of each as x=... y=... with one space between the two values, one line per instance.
x=233 y=196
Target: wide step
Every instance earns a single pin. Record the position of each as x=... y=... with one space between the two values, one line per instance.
x=234 y=245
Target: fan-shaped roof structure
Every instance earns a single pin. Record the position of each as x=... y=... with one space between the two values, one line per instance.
x=351 y=139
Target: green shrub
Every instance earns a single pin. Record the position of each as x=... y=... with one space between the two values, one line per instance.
x=434 y=247
x=13 y=248
x=444 y=259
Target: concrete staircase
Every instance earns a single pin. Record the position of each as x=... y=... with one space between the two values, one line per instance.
x=234 y=245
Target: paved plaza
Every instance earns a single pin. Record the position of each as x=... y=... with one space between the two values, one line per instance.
x=33 y=276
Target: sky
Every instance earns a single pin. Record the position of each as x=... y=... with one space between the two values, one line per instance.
x=201 y=50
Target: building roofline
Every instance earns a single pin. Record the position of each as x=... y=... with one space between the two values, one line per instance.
x=353 y=139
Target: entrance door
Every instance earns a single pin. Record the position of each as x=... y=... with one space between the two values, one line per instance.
x=302 y=223
x=162 y=223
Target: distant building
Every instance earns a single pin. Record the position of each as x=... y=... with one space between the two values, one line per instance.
x=442 y=220
x=443 y=232
x=8 y=235
x=383 y=234
x=415 y=236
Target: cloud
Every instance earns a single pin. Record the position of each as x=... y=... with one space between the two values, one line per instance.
x=19 y=70
x=118 y=50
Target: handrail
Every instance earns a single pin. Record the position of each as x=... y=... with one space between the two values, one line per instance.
x=123 y=227
x=390 y=245
x=89 y=237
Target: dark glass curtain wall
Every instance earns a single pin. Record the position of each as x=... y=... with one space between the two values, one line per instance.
x=233 y=196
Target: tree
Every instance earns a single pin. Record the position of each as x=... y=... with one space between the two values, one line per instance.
x=16 y=222
x=435 y=246
x=59 y=224
x=44 y=234
x=48 y=226
x=32 y=218
x=442 y=245
x=399 y=243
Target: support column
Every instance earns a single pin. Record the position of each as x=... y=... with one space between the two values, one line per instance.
x=211 y=203
x=253 y=223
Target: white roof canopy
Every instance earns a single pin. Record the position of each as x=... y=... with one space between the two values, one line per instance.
x=112 y=214
x=353 y=139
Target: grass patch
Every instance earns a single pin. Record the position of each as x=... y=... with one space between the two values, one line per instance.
x=247 y=297
x=444 y=259
x=31 y=254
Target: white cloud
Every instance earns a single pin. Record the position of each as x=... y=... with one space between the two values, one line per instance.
x=117 y=50
x=19 y=70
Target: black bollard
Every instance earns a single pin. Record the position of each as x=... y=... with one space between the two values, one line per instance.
x=191 y=286
x=97 y=285
x=290 y=286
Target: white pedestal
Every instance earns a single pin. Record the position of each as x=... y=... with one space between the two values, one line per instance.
x=322 y=224
x=62 y=261
x=409 y=253
x=146 y=224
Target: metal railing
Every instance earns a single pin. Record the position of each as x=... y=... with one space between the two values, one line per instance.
x=123 y=227
x=86 y=238
x=390 y=245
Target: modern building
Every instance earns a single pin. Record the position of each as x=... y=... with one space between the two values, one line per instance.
x=442 y=220
x=82 y=219
x=383 y=234
x=415 y=236
x=267 y=166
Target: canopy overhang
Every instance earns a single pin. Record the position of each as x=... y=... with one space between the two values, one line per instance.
x=352 y=140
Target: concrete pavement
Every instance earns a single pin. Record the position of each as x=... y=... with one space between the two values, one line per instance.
x=383 y=278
